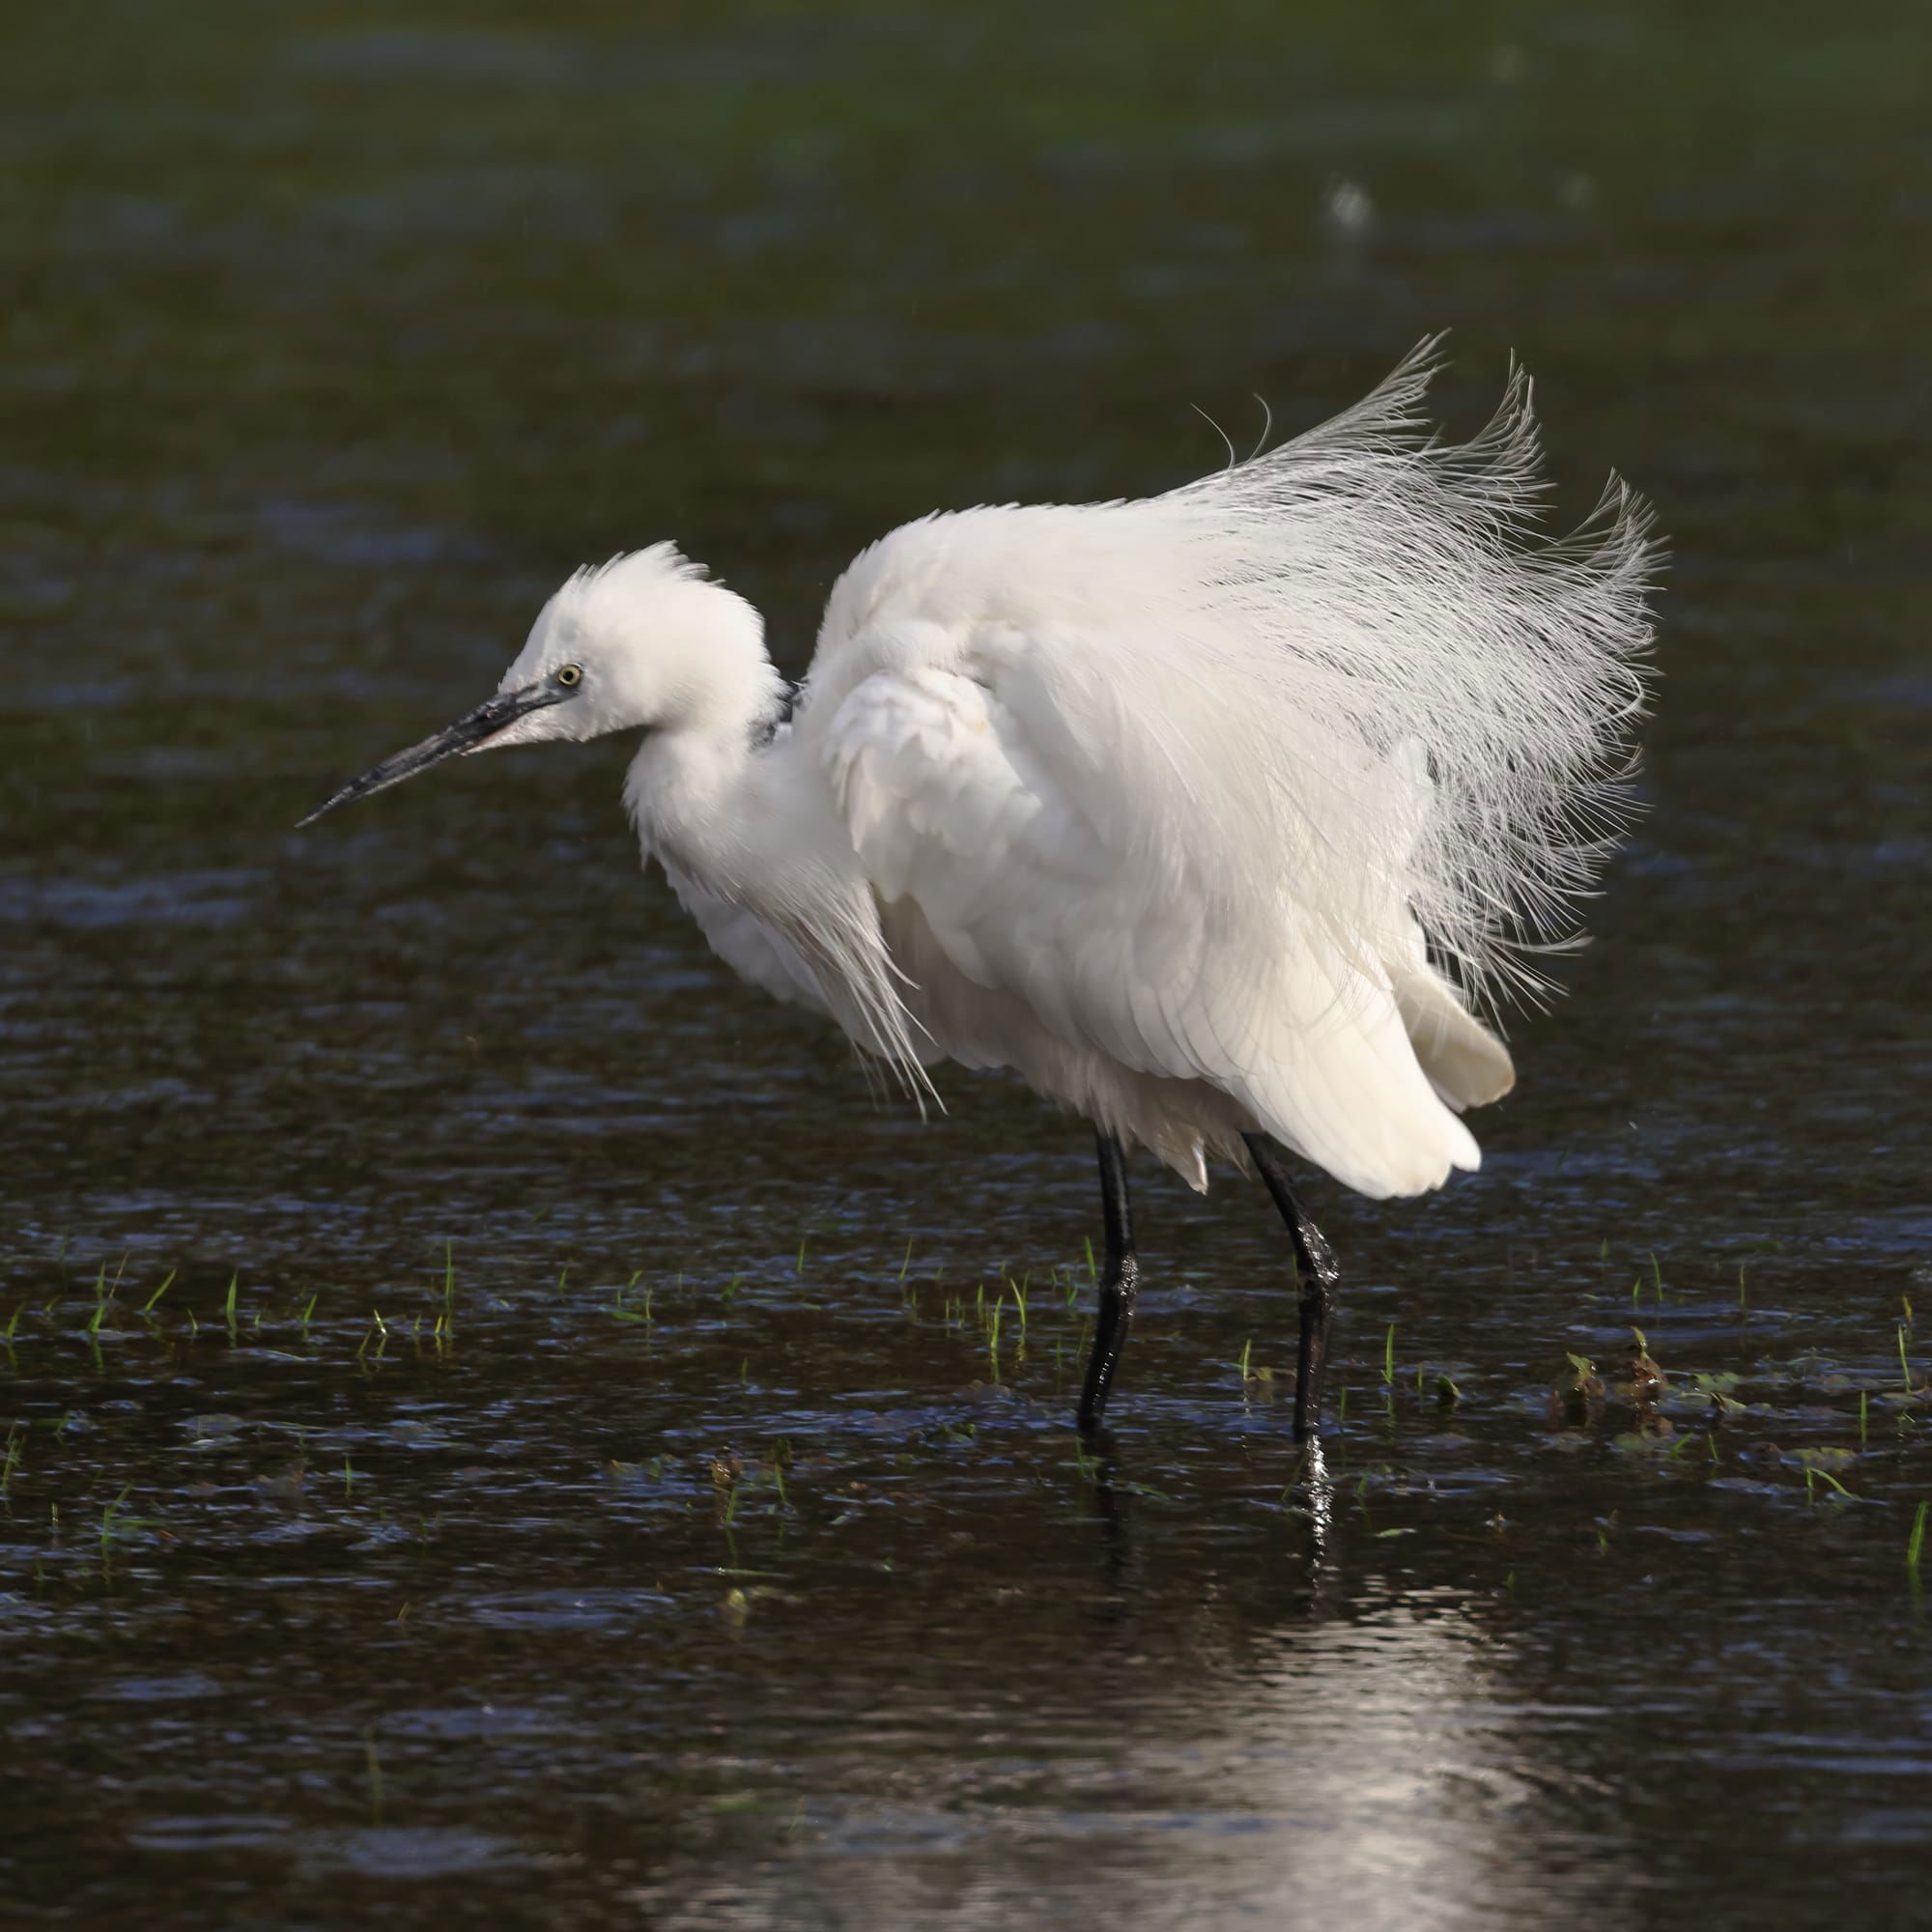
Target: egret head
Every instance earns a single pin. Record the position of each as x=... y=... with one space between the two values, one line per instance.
x=643 y=642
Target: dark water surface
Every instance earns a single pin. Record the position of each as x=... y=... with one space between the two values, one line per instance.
x=697 y=1552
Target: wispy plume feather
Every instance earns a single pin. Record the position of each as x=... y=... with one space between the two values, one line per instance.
x=1392 y=597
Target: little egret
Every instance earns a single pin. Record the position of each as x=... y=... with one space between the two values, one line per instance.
x=1217 y=816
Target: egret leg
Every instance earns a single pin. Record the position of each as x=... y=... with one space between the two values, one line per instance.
x=1119 y=1285
x=1315 y=1269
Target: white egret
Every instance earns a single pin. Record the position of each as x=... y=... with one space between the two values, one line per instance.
x=1217 y=816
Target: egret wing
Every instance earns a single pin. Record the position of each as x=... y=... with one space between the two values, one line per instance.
x=973 y=792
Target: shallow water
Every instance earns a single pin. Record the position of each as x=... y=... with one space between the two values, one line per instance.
x=602 y=1497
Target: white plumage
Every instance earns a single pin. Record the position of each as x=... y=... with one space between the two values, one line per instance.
x=1208 y=815
x=1164 y=805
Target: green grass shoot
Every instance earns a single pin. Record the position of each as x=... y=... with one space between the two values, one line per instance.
x=1388 y=1357
x=1914 y=1544
x=1813 y=1472
x=167 y=1281
x=1904 y=1367
x=113 y=1527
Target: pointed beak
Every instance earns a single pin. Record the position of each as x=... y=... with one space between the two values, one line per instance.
x=469 y=733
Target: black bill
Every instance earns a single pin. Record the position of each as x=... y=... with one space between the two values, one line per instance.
x=466 y=734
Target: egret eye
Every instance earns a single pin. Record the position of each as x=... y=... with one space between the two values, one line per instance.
x=570 y=676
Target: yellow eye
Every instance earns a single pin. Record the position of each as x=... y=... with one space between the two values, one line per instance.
x=570 y=676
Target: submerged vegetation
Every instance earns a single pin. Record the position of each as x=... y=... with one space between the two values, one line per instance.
x=730 y=1383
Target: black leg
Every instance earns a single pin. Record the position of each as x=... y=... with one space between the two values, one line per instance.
x=1314 y=1266
x=1119 y=1285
